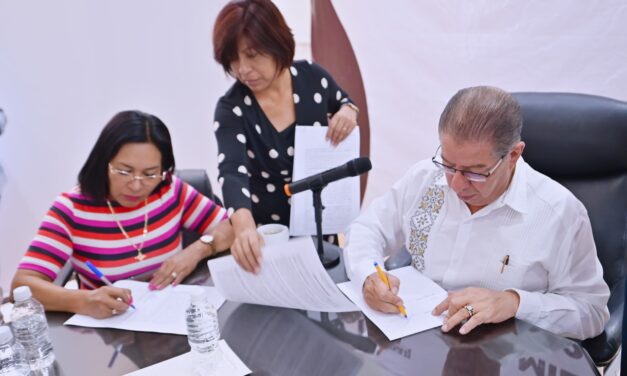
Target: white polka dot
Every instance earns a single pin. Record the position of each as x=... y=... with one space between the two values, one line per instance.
x=317 y=124
x=344 y=100
x=247 y=101
x=230 y=211
x=290 y=151
x=245 y=192
x=270 y=187
x=284 y=172
x=287 y=180
x=221 y=181
x=265 y=174
x=338 y=95
x=296 y=98
x=220 y=157
x=250 y=153
x=254 y=198
x=258 y=128
x=250 y=175
x=273 y=153
x=275 y=217
x=324 y=82
x=216 y=125
x=241 y=138
x=238 y=111
x=242 y=169
x=317 y=98
x=294 y=71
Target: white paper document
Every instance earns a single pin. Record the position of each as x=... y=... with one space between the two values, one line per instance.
x=160 y=311
x=420 y=295
x=313 y=154
x=290 y=276
x=223 y=363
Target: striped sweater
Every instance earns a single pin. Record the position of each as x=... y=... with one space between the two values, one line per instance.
x=76 y=229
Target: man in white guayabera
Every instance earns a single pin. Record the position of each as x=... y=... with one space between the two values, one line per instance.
x=503 y=239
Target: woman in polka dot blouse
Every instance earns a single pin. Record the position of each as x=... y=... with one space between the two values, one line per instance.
x=255 y=120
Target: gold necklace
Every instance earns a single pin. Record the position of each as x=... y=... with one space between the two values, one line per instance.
x=140 y=256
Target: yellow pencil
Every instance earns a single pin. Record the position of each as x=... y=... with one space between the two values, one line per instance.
x=384 y=278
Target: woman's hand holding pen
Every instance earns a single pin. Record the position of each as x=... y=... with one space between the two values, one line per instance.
x=379 y=296
x=104 y=302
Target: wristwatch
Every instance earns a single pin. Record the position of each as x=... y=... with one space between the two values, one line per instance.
x=208 y=240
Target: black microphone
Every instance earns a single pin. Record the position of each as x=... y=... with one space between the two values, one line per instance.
x=352 y=168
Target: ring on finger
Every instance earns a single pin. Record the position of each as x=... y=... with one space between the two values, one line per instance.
x=469 y=308
x=174 y=274
x=114 y=311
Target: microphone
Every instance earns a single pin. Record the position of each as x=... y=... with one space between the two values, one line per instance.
x=352 y=168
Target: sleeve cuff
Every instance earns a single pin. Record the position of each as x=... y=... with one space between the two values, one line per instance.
x=528 y=306
x=363 y=269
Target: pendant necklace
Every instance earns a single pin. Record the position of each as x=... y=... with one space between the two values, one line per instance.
x=140 y=256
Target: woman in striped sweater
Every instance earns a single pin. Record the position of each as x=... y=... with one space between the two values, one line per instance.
x=125 y=216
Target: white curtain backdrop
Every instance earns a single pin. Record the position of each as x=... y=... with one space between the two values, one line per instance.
x=66 y=67
x=414 y=55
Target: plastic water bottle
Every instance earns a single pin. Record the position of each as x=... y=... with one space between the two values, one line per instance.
x=31 y=329
x=12 y=362
x=203 y=331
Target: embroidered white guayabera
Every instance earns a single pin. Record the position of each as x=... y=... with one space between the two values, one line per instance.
x=422 y=220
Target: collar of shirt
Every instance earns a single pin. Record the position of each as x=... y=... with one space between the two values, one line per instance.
x=515 y=196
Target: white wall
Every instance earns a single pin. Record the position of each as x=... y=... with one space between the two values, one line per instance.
x=414 y=55
x=67 y=66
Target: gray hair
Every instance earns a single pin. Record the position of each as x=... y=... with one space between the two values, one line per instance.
x=483 y=113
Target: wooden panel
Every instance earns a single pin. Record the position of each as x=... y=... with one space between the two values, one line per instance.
x=331 y=48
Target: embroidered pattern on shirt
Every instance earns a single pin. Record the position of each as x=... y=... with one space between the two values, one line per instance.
x=422 y=220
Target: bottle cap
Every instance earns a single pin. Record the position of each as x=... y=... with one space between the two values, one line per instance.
x=21 y=293
x=5 y=334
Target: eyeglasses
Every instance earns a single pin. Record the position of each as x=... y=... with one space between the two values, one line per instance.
x=129 y=177
x=472 y=176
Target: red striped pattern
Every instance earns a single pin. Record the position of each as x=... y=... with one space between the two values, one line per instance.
x=76 y=230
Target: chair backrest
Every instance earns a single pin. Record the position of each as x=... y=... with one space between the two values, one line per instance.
x=581 y=141
x=198 y=179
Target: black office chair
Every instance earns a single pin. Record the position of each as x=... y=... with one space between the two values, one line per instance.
x=581 y=142
x=198 y=179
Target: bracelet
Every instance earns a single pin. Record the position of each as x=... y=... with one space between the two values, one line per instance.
x=352 y=106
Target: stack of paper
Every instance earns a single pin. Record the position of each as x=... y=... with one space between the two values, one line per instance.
x=224 y=362
x=313 y=154
x=290 y=276
x=420 y=295
x=161 y=311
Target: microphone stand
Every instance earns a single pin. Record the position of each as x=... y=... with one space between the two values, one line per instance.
x=329 y=257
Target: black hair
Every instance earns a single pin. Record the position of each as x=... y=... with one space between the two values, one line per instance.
x=124 y=128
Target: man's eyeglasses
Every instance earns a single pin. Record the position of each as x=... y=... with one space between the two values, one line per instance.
x=472 y=176
x=129 y=177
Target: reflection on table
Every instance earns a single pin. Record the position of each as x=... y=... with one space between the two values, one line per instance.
x=278 y=341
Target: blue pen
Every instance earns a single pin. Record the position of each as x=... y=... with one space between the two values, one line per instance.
x=102 y=276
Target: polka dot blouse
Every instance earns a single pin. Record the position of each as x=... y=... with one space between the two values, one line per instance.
x=254 y=159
